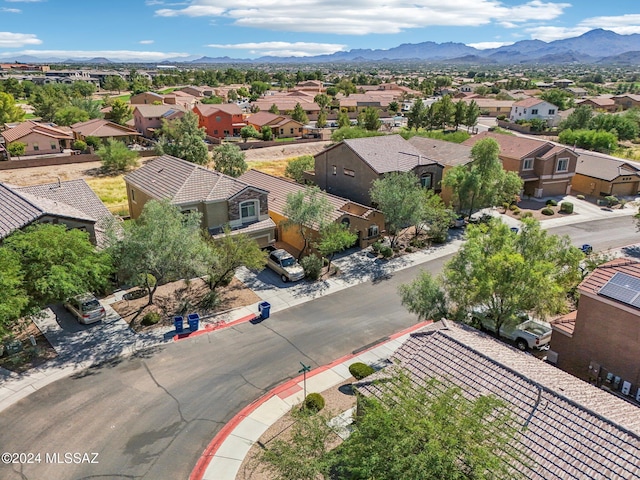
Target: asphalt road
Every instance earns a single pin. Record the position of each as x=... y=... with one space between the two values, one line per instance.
x=151 y=416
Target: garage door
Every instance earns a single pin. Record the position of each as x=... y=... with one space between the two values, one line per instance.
x=624 y=189
x=553 y=189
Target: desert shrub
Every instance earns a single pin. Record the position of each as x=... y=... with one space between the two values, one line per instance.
x=552 y=202
x=501 y=117
x=611 y=200
x=506 y=206
x=312 y=265
x=360 y=370
x=513 y=207
x=623 y=202
x=93 y=141
x=386 y=251
x=566 y=207
x=527 y=215
x=151 y=318
x=375 y=247
x=516 y=211
x=79 y=145
x=409 y=249
x=547 y=211
x=314 y=402
x=210 y=301
x=580 y=197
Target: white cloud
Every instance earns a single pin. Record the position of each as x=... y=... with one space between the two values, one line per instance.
x=110 y=54
x=284 y=49
x=17 y=40
x=622 y=24
x=146 y=42
x=487 y=45
x=10 y=10
x=361 y=17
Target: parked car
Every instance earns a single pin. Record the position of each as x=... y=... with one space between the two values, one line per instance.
x=86 y=308
x=525 y=332
x=284 y=264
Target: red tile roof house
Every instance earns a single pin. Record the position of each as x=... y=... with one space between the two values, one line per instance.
x=222 y=200
x=39 y=138
x=535 y=108
x=547 y=169
x=148 y=118
x=601 y=340
x=281 y=125
x=71 y=203
x=568 y=429
x=599 y=103
x=104 y=129
x=220 y=121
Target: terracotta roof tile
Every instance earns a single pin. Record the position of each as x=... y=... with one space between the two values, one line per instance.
x=101 y=128
x=25 y=128
x=601 y=275
x=513 y=146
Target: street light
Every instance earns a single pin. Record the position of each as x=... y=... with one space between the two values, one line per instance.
x=303 y=371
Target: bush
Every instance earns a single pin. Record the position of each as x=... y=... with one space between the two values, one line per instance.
x=513 y=207
x=386 y=251
x=580 y=197
x=375 y=247
x=79 y=145
x=93 y=141
x=527 y=215
x=552 y=202
x=151 y=318
x=611 y=200
x=566 y=207
x=501 y=117
x=547 y=211
x=312 y=265
x=360 y=370
x=516 y=211
x=409 y=249
x=314 y=402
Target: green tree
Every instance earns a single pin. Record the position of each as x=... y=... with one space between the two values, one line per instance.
x=58 y=263
x=305 y=211
x=596 y=140
x=297 y=166
x=258 y=88
x=47 y=100
x=9 y=111
x=323 y=100
x=120 y=112
x=161 y=245
x=444 y=112
x=460 y=114
x=230 y=252
x=321 y=122
x=114 y=83
x=12 y=86
x=16 y=149
x=371 y=120
x=416 y=115
x=434 y=216
x=334 y=238
x=83 y=89
x=116 y=157
x=560 y=98
x=399 y=196
x=343 y=120
x=267 y=133
x=299 y=114
x=90 y=106
x=69 y=115
x=352 y=132
x=248 y=131
x=230 y=160
x=472 y=114
x=425 y=297
x=13 y=296
x=274 y=109
x=183 y=138
x=213 y=100
x=578 y=119
x=503 y=273
x=394 y=107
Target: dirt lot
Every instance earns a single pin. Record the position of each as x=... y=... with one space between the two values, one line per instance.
x=285 y=151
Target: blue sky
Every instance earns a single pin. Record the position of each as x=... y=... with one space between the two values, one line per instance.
x=156 y=30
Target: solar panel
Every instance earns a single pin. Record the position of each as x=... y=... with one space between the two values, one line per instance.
x=624 y=288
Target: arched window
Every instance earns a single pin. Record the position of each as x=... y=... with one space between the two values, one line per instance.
x=426 y=180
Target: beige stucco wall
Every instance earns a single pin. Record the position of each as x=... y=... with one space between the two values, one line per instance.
x=44 y=143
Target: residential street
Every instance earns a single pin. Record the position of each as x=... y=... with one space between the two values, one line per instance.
x=152 y=415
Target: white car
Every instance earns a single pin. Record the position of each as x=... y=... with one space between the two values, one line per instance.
x=86 y=308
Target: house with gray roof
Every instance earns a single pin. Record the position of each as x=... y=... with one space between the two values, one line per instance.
x=147 y=119
x=222 y=200
x=71 y=203
x=567 y=428
x=349 y=168
x=602 y=175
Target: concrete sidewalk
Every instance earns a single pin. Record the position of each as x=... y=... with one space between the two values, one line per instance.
x=222 y=459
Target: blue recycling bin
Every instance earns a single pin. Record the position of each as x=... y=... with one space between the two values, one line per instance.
x=264 y=308
x=194 y=321
x=179 y=324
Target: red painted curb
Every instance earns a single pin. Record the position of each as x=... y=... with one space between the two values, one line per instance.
x=213 y=327
x=203 y=462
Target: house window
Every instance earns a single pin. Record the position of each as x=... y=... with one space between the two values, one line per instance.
x=349 y=173
x=373 y=231
x=226 y=132
x=248 y=211
x=54 y=146
x=335 y=170
x=35 y=146
x=426 y=180
x=563 y=165
x=218 y=119
x=215 y=132
x=133 y=195
x=527 y=164
x=534 y=111
x=291 y=131
x=282 y=131
x=552 y=111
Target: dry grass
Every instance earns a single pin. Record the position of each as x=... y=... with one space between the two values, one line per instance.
x=112 y=192
x=272 y=167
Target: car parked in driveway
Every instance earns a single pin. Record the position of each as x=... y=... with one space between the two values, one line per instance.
x=86 y=308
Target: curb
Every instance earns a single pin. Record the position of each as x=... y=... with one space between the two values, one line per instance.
x=207 y=455
x=212 y=327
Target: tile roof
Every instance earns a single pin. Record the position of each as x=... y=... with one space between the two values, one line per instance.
x=513 y=146
x=565 y=323
x=25 y=128
x=600 y=101
x=569 y=429
x=445 y=153
x=209 y=109
x=279 y=188
x=16 y=211
x=601 y=275
x=183 y=182
x=605 y=167
x=387 y=153
x=158 y=110
x=267 y=118
x=528 y=102
x=101 y=128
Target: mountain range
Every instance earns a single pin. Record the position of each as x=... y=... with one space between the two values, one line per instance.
x=587 y=48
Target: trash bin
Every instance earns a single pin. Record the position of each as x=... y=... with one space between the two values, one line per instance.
x=264 y=308
x=179 y=324
x=194 y=321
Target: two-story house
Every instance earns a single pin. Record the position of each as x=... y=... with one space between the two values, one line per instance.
x=222 y=200
x=600 y=342
x=220 y=121
x=281 y=125
x=547 y=169
x=147 y=119
x=535 y=108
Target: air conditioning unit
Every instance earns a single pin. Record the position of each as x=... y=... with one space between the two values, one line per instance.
x=626 y=388
x=616 y=382
x=638 y=395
